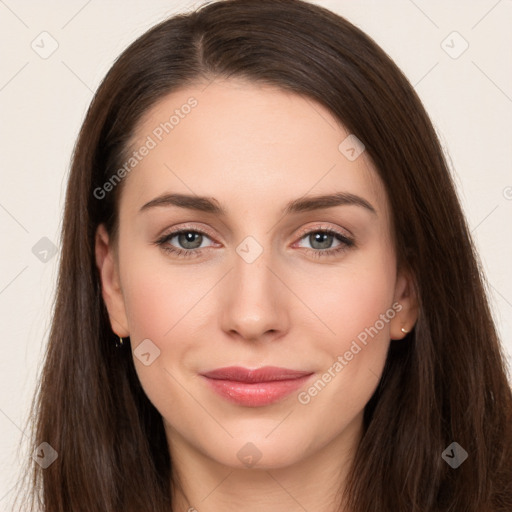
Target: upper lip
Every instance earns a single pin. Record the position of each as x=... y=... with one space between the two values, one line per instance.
x=263 y=374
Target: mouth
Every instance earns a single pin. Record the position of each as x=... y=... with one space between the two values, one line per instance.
x=255 y=388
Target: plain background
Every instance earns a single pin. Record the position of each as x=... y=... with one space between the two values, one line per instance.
x=43 y=102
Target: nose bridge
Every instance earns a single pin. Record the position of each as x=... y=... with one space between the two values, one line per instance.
x=254 y=303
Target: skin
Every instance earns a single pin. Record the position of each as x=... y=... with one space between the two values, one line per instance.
x=254 y=148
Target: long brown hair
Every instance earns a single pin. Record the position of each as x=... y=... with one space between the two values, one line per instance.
x=447 y=382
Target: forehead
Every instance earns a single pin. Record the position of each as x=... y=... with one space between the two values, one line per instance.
x=245 y=144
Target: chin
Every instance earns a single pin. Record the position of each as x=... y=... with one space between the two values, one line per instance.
x=260 y=452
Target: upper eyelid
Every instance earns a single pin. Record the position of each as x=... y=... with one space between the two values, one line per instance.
x=312 y=229
x=186 y=228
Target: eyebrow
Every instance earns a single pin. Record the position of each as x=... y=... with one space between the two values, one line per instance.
x=303 y=204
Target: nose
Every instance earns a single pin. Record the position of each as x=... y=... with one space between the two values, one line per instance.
x=254 y=300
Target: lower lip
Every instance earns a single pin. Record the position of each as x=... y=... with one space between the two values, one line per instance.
x=256 y=394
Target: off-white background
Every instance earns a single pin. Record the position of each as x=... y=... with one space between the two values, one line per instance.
x=43 y=102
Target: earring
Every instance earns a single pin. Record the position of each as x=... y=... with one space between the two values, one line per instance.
x=119 y=343
x=404 y=331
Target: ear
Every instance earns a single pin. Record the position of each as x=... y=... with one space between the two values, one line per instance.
x=406 y=298
x=110 y=283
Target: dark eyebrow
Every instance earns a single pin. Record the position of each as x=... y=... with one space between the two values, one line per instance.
x=200 y=203
x=303 y=204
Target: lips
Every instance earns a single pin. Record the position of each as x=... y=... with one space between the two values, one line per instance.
x=264 y=374
x=258 y=387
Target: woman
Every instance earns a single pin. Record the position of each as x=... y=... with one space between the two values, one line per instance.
x=201 y=357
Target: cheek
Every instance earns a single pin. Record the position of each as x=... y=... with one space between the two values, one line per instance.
x=171 y=306
x=357 y=304
x=352 y=297
x=148 y=305
x=160 y=307
x=157 y=299
x=364 y=297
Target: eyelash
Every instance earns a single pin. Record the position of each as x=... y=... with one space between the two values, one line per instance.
x=347 y=243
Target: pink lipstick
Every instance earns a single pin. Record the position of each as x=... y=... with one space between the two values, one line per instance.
x=255 y=388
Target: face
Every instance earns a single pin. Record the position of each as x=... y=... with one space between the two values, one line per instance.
x=248 y=270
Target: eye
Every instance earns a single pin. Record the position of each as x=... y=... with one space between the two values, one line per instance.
x=321 y=239
x=190 y=241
